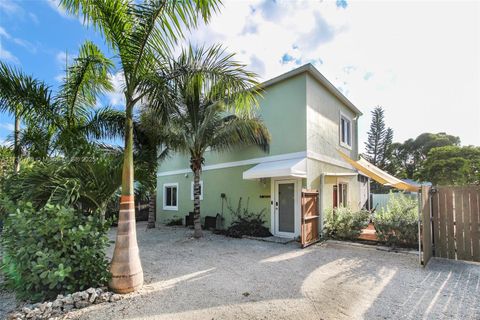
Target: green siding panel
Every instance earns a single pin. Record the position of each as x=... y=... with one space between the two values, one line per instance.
x=216 y=182
x=283 y=109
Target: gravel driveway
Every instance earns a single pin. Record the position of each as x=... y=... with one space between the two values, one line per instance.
x=223 y=278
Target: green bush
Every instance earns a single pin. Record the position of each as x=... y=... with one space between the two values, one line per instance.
x=398 y=223
x=247 y=223
x=52 y=250
x=342 y=223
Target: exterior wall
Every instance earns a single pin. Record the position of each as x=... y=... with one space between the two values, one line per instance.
x=216 y=182
x=282 y=108
x=323 y=122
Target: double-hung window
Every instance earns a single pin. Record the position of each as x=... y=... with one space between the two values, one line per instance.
x=345 y=131
x=170 y=196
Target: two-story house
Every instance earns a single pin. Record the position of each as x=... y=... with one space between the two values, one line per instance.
x=309 y=121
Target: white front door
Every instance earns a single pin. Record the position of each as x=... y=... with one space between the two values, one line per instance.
x=284 y=205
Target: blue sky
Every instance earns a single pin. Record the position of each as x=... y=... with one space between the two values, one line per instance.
x=424 y=70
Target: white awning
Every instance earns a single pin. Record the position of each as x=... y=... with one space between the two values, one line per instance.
x=282 y=168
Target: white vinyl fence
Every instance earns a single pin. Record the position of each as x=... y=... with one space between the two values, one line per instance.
x=379 y=201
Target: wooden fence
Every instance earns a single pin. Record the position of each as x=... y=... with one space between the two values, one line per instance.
x=310 y=217
x=451 y=223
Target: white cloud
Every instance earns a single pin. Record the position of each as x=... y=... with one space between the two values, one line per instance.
x=8 y=56
x=55 y=5
x=424 y=71
x=7 y=126
x=21 y=42
x=4 y=33
x=10 y=7
x=116 y=97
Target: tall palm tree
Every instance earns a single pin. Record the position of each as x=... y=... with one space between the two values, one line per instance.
x=139 y=33
x=21 y=95
x=211 y=99
x=66 y=121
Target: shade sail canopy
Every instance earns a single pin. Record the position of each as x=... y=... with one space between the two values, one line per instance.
x=378 y=174
x=282 y=168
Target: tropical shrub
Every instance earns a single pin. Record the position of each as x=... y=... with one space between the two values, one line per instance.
x=398 y=223
x=342 y=223
x=247 y=223
x=52 y=250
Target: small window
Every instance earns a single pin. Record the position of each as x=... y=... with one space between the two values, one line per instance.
x=343 y=194
x=345 y=131
x=340 y=195
x=201 y=190
x=170 y=196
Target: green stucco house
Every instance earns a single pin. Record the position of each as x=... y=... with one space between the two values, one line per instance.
x=309 y=120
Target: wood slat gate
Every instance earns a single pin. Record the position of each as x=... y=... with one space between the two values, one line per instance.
x=451 y=223
x=310 y=217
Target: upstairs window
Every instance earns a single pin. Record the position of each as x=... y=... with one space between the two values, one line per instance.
x=345 y=131
x=170 y=196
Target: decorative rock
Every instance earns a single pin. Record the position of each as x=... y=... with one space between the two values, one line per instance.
x=58 y=303
x=93 y=296
x=53 y=310
x=67 y=307
x=105 y=296
x=68 y=299
x=115 y=297
x=81 y=304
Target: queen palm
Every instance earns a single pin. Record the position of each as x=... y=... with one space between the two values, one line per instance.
x=211 y=99
x=140 y=33
x=21 y=95
x=65 y=121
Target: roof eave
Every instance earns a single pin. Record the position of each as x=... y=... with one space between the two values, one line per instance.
x=309 y=68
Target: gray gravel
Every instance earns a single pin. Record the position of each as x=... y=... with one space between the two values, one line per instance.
x=223 y=278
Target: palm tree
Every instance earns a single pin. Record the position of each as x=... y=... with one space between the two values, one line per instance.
x=140 y=34
x=211 y=97
x=64 y=122
x=21 y=95
x=150 y=148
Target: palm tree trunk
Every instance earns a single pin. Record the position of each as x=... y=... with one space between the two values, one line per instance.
x=196 y=204
x=16 y=147
x=151 y=210
x=126 y=268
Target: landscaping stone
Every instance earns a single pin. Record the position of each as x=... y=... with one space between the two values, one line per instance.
x=63 y=304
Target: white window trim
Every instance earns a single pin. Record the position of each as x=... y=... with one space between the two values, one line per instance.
x=165 y=207
x=343 y=144
x=201 y=190
x=347 y=202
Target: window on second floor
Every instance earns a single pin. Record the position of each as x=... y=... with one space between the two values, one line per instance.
x=345 y=131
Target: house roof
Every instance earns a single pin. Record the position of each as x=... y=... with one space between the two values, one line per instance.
x=310 y=69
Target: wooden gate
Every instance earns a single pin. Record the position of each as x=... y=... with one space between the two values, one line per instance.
x=451 y=223
x=310 y=217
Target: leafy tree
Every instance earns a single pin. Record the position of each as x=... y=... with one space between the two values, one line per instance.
x=409 y=157
x=150 y=148
x=6 y=161
x=452 y=165
x=65 y=122
x=88 y=184
x=210 y=100
x=140 y=34
x=21 y=96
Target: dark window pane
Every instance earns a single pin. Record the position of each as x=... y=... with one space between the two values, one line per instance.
x=168 y=196
x=174 y=196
